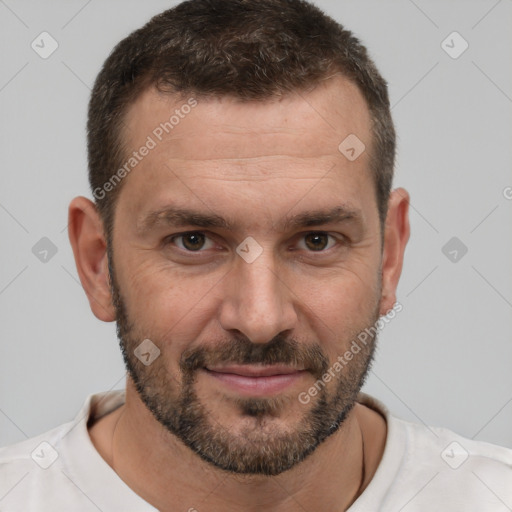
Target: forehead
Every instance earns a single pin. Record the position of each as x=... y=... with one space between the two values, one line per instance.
x=225 y=148
x=326 y=114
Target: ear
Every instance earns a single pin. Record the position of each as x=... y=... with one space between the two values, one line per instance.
x=396 y=235
x=86 y=235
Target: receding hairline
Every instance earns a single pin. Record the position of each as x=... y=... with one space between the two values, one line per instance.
x=285 y=46
x=177 y=98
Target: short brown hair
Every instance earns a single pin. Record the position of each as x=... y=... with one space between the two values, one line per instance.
x=253 y=50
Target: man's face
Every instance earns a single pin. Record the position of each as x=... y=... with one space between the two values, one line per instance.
x=244 y=325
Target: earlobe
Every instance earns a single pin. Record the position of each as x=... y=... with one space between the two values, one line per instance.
x=397 y=231
x=86 y=235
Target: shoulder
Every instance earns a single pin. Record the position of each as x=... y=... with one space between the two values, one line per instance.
x=439 y=464
x=439 y=444
x=39 y=450
x=472 y=474
x=31 y=471
x=433 y=468
x=448 y=449
x=57 y=469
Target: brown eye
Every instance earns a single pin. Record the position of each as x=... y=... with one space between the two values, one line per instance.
x=316 y=241
x=193 y=241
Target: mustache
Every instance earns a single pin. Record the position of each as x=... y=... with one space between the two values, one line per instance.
x=240 y=350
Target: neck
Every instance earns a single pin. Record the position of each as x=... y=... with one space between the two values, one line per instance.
x=168 y=475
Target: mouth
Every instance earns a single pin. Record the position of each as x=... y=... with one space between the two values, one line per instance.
x=256 y=380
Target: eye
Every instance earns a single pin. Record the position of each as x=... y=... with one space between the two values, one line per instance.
x=317 y=241
x=193 y=241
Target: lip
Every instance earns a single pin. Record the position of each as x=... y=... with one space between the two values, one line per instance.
x=256 y=380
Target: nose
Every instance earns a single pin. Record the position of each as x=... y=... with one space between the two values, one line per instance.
x=258 y=302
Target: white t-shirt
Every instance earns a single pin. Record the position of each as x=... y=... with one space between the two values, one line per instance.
x=422 y=469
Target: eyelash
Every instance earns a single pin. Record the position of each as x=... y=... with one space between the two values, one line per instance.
x=340 y=240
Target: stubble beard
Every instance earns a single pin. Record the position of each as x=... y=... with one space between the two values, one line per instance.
x=257 y=447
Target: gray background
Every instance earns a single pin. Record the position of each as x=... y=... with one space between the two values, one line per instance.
x=444 y=360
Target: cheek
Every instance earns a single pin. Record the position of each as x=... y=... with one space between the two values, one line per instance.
x=165 y=304
x=347 y=290
x=340 y=307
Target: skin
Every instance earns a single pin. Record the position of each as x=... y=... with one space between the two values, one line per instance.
x=253 y=163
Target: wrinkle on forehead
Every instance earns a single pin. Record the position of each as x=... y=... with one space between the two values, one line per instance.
x=224 y=127
x=282 y=150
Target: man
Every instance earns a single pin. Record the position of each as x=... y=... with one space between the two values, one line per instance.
x=246 y=240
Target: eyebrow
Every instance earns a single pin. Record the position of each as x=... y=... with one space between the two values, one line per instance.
x=178 y=217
